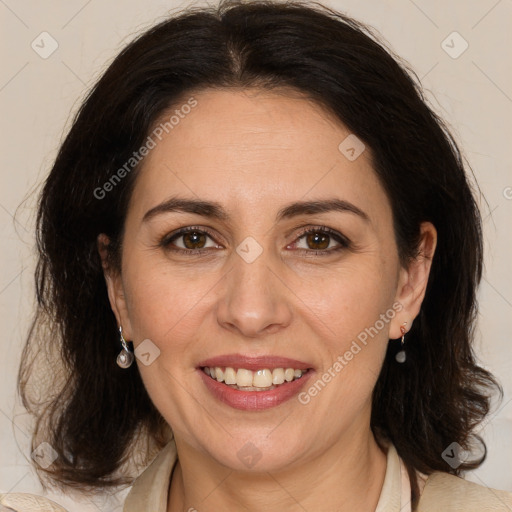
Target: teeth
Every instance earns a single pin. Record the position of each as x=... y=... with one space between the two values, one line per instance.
x=264 y=378
x=289 y=374
x=229 y=376
x=244 y=377
x=278 y=376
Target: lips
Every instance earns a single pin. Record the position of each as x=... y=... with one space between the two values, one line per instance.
x=252 y=398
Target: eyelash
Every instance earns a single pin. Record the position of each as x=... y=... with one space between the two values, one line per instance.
x=344 y=243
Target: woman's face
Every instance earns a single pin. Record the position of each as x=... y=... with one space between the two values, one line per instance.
x=258 y=281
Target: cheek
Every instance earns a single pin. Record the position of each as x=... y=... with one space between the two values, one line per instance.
x=168 y=308
x=350 y=311
x=343 y=301
x=160 y=299
x=353 y=341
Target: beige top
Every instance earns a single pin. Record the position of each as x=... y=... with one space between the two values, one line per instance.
x=150 y=490
x=441 y=492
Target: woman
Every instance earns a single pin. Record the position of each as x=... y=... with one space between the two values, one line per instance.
x=257 y=217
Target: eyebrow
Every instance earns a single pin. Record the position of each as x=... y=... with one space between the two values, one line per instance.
x=214 y=210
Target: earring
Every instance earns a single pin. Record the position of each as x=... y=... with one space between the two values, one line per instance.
x=125 y=357
x=400 y=356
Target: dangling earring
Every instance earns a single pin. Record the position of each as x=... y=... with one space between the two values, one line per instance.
x=400 y=356
x=125 y=357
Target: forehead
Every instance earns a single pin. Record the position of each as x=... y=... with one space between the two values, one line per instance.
x=251 y=149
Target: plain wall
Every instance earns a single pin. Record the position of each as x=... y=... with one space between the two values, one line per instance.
x=472 y=92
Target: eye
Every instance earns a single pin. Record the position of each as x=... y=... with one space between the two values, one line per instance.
x=320 y=240
x=187 y=240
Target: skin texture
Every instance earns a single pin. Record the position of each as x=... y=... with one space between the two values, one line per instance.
x=255 y=152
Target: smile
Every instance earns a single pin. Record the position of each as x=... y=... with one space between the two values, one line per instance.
x=254 y=383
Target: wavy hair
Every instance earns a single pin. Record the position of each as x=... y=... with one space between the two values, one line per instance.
x=92 y=411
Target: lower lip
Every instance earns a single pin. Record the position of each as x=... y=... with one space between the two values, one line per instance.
x=254 y=400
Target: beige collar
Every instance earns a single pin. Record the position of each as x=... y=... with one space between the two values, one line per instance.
x=149 y=492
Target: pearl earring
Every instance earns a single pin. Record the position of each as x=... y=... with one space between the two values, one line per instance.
x=125 y=357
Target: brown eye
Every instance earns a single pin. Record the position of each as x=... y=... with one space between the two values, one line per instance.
x=194 y=240
x=317 y=241
x=190 y=240
x=320 y=241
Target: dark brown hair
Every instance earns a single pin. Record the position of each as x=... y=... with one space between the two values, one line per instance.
x=93 y=413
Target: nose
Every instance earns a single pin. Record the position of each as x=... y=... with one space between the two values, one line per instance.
x=254 y=301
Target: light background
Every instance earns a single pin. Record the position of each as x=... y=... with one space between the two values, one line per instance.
x=472 y=92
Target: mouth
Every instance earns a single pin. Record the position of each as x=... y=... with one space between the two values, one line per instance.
x=254 y=383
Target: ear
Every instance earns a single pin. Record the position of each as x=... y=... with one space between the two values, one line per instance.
x=115 y=287
x=412 y=281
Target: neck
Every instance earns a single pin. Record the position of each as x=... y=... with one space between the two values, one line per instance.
x=346 y=477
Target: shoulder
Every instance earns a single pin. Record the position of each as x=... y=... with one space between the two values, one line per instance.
x=450 y=493
x=22 y=502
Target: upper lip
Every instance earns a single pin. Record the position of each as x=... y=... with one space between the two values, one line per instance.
x=254 y=362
